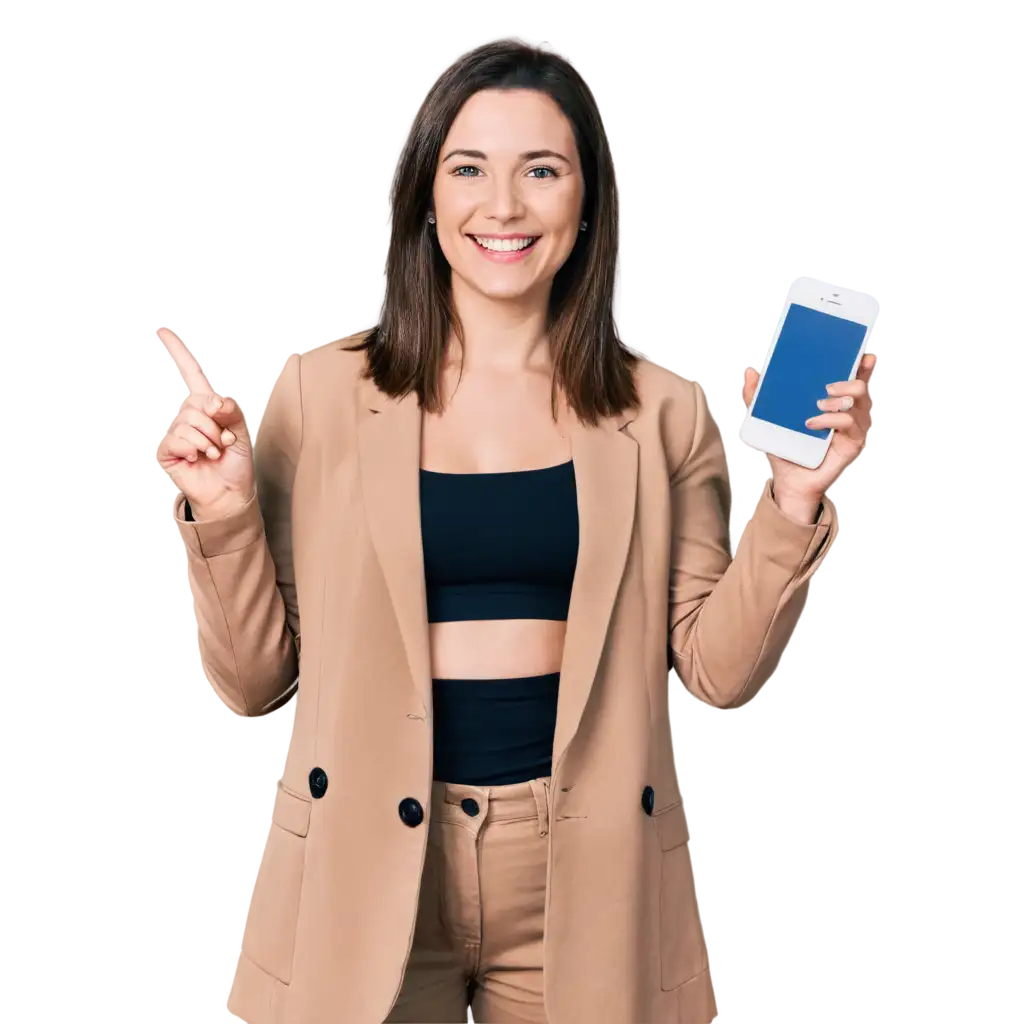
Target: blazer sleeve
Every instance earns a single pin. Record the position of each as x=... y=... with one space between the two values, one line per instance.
x=731 y=618
x=241 y=573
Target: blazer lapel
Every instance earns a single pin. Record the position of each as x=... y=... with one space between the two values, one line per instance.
x=605 y=461
x=389 y=467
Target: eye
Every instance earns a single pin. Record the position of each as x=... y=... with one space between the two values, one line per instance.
x=465 y=167
x=551 y=172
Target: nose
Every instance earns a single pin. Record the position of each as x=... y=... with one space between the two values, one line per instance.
x=504 y=202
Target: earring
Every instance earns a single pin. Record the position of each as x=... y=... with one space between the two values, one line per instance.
x=431 y=219
x=583 y=225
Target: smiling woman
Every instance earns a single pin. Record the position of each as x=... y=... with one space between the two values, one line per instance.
x=503 y=527
x=507 y=145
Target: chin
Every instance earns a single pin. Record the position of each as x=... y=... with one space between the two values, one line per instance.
x=506 y=293
x=496 y=288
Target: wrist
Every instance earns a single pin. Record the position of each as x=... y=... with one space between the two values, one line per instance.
x=219 y=510
x=801 y=506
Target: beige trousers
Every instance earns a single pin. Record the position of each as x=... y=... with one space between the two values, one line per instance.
x=479 y=938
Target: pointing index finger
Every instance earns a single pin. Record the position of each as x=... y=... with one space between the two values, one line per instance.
x=187 y=363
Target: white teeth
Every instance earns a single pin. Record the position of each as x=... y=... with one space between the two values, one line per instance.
x=504 y=244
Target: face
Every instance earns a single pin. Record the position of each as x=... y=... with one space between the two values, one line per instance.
x=508 y=193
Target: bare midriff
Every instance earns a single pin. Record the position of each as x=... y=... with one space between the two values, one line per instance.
x=496 y=649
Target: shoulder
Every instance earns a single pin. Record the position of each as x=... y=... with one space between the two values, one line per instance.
x=331 y=370
x=334 y=358
x=664 y=393
x=325 y=381
x=673 y=409
x=658 y=384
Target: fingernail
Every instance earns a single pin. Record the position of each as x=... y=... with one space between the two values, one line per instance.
x=845 y=403
x=212 y=452
x=830 y=388
x=228 y=437
x=215 y=404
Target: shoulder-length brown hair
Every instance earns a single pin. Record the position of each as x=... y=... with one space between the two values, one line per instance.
x=405 y=350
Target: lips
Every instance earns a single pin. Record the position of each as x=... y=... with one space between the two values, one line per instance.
x=505 y=243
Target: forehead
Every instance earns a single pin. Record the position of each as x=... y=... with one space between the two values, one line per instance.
x=507 y=122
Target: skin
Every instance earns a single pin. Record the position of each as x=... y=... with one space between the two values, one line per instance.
x=497 y=417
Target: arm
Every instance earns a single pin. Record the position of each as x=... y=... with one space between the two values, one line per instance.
x=240 y=569
x=731 y=618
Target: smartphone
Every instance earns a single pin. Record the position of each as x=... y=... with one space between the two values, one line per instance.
x=819 y=339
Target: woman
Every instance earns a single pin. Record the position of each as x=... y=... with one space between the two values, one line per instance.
x=502 y=528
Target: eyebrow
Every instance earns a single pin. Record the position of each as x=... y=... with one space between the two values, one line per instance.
x=533 y=154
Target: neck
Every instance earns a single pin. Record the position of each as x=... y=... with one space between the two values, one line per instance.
x=500 y=334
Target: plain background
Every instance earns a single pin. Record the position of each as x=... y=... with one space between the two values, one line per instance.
x=858 y=837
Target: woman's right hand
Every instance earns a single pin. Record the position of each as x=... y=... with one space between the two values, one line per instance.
x=207 y=450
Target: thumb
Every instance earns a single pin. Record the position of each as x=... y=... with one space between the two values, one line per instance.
x=228 y=415
x=750 y=379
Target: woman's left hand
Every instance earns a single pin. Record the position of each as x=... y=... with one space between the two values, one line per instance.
x=848 y=410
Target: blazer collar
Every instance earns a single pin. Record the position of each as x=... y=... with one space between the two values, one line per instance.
x=605 y=461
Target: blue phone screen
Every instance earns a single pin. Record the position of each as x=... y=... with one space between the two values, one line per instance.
x=814 y=349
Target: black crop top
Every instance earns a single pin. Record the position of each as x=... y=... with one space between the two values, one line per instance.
x=499 y=545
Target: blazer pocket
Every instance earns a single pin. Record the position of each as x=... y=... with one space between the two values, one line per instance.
x=269 y=936
x=683 y=953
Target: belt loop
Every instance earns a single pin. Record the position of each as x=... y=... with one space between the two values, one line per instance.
x=540 y=796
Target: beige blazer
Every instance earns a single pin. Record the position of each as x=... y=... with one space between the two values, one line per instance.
x=334 y=531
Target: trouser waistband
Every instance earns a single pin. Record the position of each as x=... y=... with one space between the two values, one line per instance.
x=457 y=802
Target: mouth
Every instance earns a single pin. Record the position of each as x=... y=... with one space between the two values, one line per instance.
x=504 y=248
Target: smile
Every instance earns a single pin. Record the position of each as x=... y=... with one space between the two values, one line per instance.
x=504 y=250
